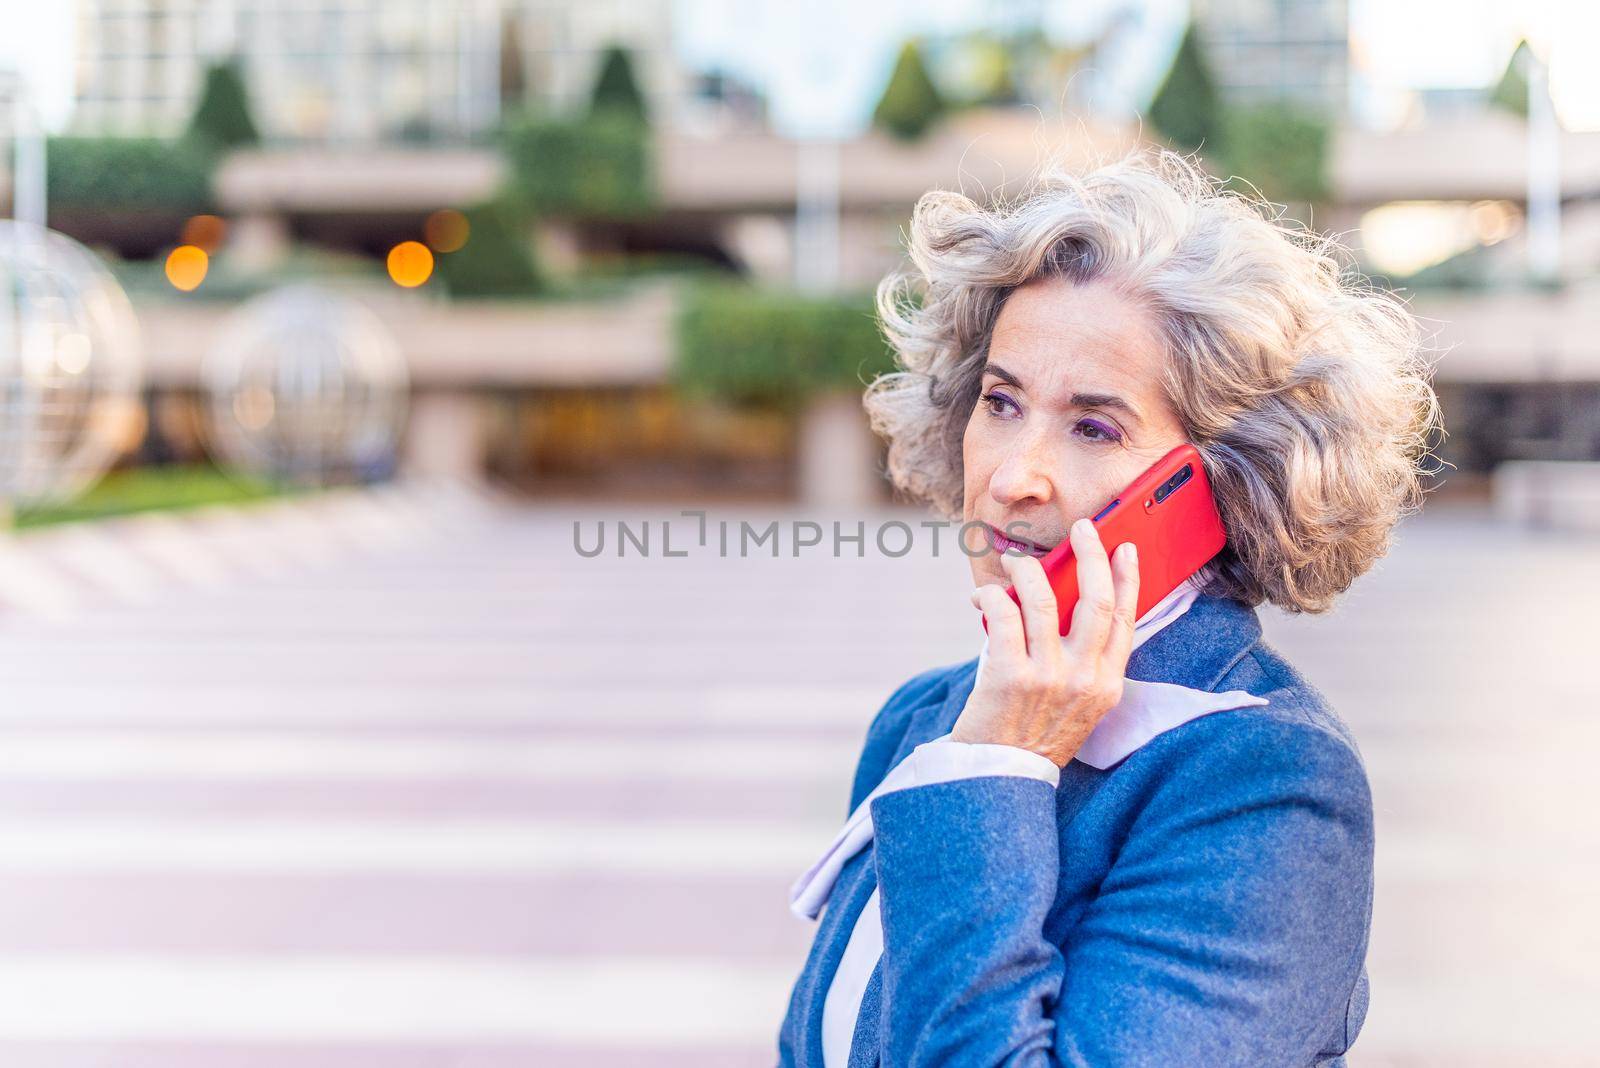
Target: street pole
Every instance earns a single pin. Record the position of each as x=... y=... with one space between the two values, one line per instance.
x=1544 y=175
x=27 y=176
x=817 y=214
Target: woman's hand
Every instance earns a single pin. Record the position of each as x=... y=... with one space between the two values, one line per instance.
x=1040 y=691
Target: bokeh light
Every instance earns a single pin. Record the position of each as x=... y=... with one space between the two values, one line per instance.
x=446 y=230
x=187 y=266
x=205 y=232
x=410 y=264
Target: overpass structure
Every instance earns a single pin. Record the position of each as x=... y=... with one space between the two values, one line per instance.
x=984 y=153
x=1482 y=338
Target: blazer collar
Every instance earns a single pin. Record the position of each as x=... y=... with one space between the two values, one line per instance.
x=1196 y=650
x=1200 y=647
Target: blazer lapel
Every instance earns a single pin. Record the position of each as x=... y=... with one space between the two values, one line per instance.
x=864 y=1048
x=856 y=882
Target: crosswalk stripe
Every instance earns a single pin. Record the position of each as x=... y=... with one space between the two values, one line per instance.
x=619 y=1001
x=68 y=701
x=76 y=755
x=326 y=845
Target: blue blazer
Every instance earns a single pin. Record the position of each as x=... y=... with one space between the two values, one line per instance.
x=1204 y=902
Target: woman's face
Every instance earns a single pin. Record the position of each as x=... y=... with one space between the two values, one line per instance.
x=1072 y=410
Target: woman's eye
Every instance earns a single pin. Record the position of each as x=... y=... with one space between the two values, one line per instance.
x=998 y=403
x=1095 y=430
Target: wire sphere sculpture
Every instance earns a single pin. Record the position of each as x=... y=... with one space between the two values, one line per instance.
x=70 y=367
x=305 y=387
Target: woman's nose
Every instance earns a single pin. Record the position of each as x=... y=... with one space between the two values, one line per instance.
x=1024 y=472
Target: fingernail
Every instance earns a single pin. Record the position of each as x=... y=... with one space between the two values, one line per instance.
x=1082 y=526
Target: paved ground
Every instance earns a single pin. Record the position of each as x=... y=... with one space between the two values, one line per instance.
x=411 y=783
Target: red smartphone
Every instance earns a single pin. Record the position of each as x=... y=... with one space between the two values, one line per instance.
x=1168 y=513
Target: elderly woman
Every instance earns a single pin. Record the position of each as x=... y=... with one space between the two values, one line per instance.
x=1148 y=841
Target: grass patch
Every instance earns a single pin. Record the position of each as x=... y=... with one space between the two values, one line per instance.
x=151 y=489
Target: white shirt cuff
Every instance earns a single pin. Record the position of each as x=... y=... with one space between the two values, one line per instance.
x=945 y=760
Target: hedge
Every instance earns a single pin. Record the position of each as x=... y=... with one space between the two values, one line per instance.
x=128 y=173
x=592 y=166
x=1281 y=149
x=773 y=348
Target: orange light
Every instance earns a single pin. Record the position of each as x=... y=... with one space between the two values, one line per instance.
x=205 y=232
x=186 y=267
x=446 y=230
x=410 y=264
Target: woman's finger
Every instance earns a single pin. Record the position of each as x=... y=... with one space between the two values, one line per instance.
x=1041 y=620
x=1006 y=642
x=1125 y=578
x=1091 y=618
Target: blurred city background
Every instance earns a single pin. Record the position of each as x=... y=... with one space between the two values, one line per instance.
x=321 y=743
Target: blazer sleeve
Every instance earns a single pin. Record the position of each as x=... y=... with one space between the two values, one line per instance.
x=1229 y=930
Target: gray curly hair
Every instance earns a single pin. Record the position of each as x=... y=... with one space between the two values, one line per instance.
x=1303 y=388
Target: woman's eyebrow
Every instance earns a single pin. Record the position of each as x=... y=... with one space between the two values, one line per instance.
x=1105 y=400
x=1078 y=400
x=1002 y=374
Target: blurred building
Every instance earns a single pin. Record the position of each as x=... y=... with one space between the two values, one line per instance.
x=356 y=71
x=1279 y=50
x=560 y=43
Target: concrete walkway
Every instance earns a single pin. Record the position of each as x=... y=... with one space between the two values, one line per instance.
x=462 y=797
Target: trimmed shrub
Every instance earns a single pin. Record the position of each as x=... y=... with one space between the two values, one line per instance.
x=911 y=102
x=598 y=166
x=1187 y=109
x=616 y=91
x=769 y=348
x=497 y=260
x=222 y=117
x=1511 y=91
x=128 y=174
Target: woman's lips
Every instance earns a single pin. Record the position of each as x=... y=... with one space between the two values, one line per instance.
x=1002 y=543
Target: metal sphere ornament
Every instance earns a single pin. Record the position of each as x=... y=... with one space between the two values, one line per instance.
x=70 y=367
x=305 y=386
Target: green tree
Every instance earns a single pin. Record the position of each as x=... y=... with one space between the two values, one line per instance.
x=616 y=90
x=222 y=117
x=1187 y=108
x=911 y=102
x=1511 y=92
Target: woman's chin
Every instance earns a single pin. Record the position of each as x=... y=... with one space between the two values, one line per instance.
x=986 y=569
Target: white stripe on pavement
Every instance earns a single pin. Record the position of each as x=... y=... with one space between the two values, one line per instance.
x=250 y=754
x=66 y=701
x=472 y=846
x=611 y=1001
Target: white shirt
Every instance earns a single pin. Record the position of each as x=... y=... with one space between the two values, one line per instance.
x=1146 y=710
